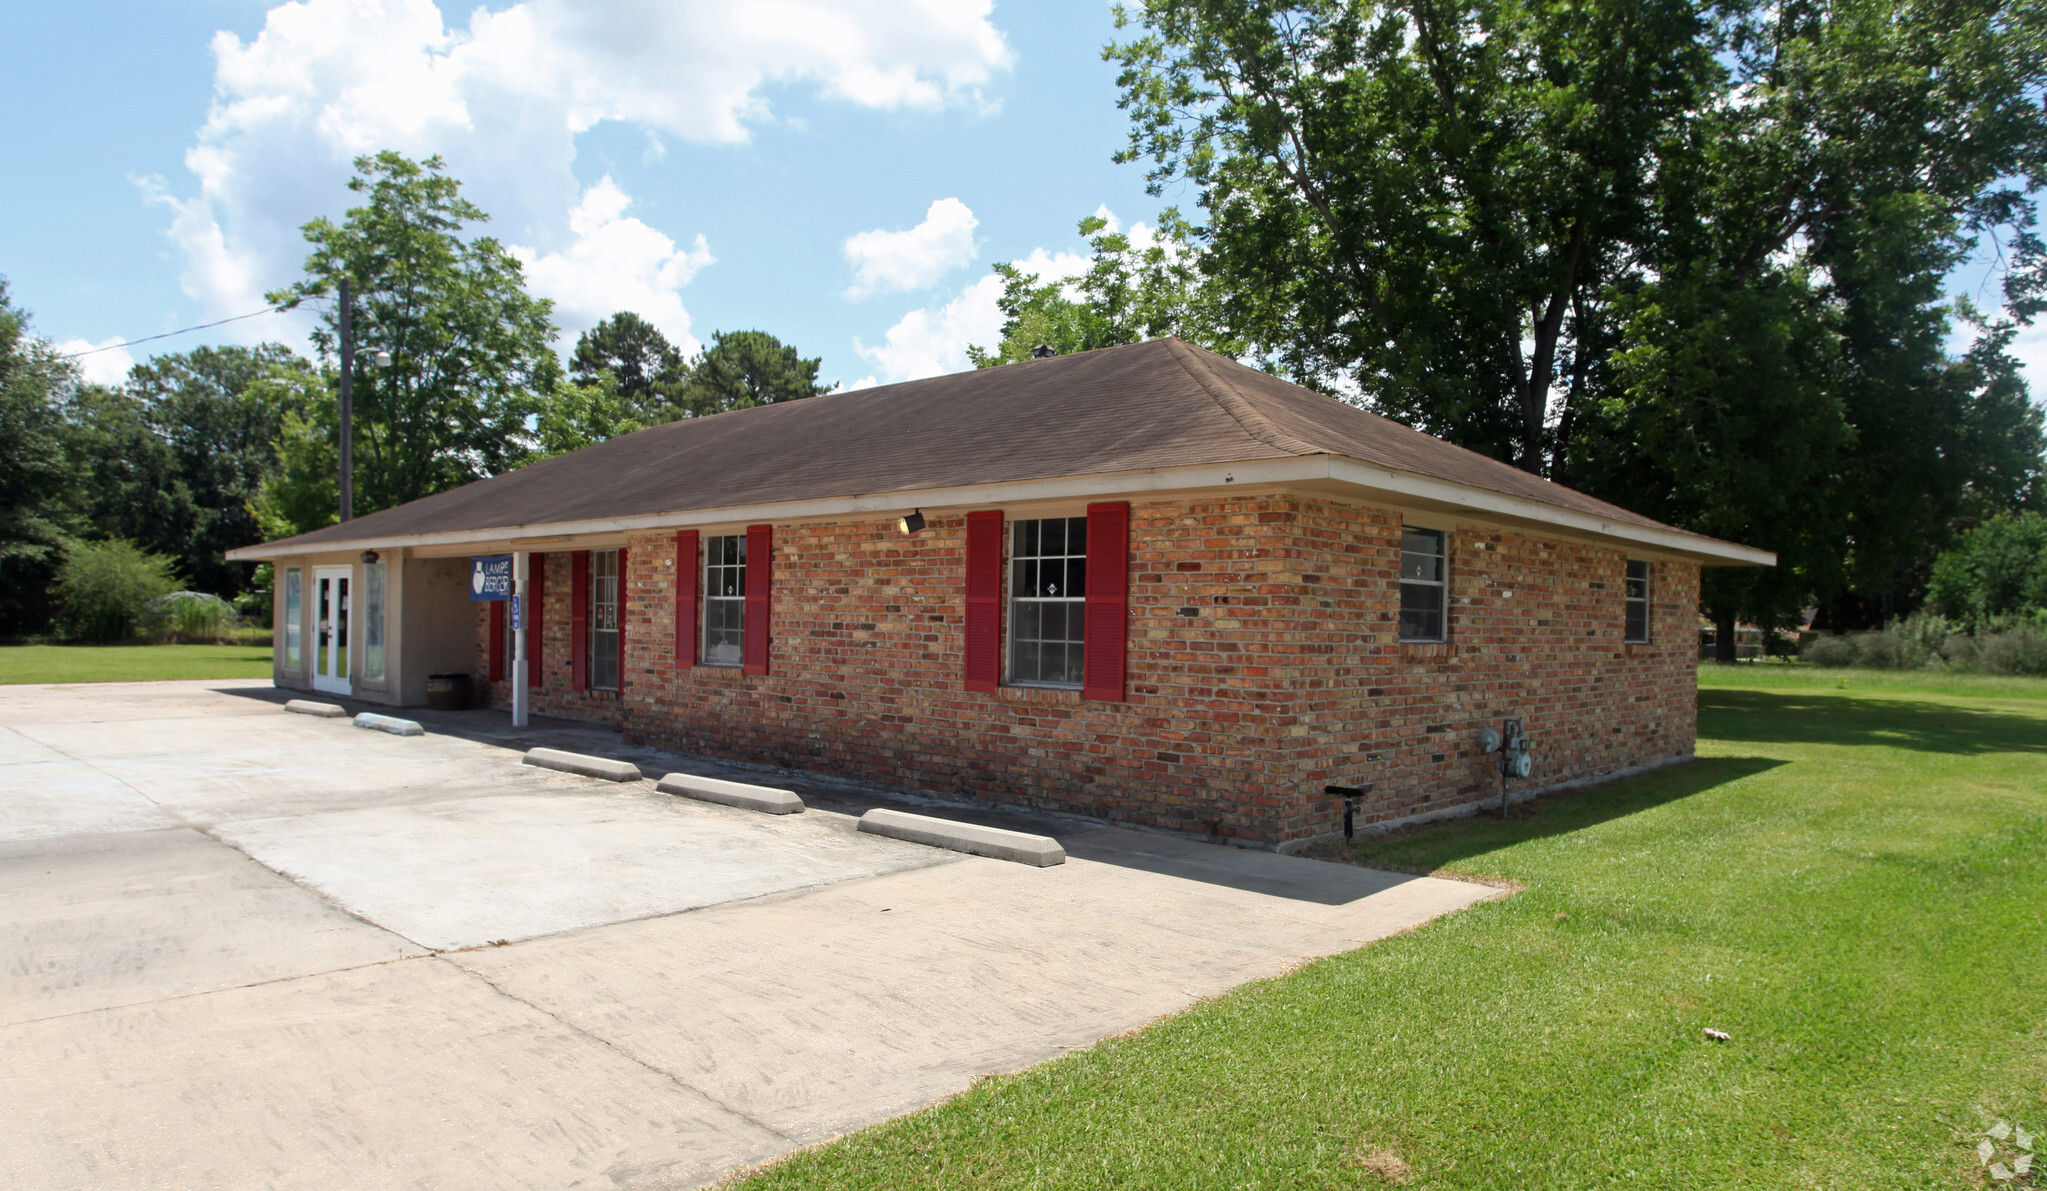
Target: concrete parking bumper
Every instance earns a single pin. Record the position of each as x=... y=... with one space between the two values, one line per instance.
x=584 y=764
x=308 y=707
x=971 y=838
x=766 y=799
x=389 y=723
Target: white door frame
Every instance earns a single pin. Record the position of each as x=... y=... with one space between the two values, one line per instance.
x=333 y=623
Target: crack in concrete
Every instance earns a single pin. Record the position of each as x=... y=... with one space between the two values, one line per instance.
x=116 y=778
x=214 y=992
x=618 y=1050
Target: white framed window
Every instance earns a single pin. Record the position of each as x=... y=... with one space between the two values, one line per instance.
x=1424 y=585
x=725 y=600
x=373 y=579
x=1047 y=601
x=603 y=620
x=294 y=610
x=1636 y=629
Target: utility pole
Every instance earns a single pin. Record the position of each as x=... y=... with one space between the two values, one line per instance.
x=347 y=409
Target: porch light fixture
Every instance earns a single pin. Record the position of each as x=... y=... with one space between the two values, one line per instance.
x=912 y=523
x=368 y=557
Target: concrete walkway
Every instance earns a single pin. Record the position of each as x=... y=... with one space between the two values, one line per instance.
x=246 y=948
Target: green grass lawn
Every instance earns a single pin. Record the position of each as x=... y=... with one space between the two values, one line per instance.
x=130 y=663
x=1850 y=882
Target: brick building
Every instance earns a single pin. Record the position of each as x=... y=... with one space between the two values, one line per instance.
x=1145 y=584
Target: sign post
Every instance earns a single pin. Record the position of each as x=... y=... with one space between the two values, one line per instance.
x=520 y=562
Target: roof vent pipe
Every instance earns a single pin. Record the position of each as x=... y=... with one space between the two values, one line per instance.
x=1043 y=352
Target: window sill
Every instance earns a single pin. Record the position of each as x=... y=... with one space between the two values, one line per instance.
x=1051 y=696
x=1427 y=651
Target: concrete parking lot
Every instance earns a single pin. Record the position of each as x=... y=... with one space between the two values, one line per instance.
x=247 y=948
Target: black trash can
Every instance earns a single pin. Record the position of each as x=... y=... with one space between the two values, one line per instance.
x=448 y=692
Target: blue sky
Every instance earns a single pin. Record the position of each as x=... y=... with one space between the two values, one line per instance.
x=839 y=172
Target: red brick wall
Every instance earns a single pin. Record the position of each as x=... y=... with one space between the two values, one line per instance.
x=1264 y=664
x=553 y=695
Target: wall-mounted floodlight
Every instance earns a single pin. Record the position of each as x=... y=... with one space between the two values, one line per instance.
x=912 y=523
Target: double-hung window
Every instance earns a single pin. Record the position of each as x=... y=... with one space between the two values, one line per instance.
x=1047 y=601
x=1424 y=605
x=725 y=600
x=1637 y=626
x=604 y=620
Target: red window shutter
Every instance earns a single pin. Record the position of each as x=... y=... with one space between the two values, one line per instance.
x=623 y=604
x=536 y=599
x=1108 y=602
x=579 y=620
x=686 y=597
x=497 y=641
x=984 y=601
x=760 y=578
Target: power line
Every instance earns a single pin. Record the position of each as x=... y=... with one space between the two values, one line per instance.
x=167 y=334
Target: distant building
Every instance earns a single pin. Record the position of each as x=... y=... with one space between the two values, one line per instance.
x=1150 y=585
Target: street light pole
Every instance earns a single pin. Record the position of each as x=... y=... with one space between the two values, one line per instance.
x=347 y=409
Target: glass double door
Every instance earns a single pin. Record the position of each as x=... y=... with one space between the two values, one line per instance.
x=330 y=629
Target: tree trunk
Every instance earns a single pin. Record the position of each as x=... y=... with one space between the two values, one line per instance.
x=1723 y=637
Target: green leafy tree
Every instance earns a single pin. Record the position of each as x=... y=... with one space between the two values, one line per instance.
x=742 y=369
x=172 y=459
x=1415 y=197
x=1997 y=569
x=305 y=492
x=648 y=372
x=1131 y=292
x=582 y=414
x=36 y=474
x=471 y=351
x=106 y=587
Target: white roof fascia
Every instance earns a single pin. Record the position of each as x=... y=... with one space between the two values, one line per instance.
x=1255 y=473
x=1499 y=504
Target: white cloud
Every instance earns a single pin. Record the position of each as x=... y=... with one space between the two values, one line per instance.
x=616 y=263
x=2030 y=347
x=503 y=99
x=109 y=367
x=885 y=261
x=933 y=340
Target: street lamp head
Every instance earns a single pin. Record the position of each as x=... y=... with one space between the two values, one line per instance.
x=383 y=359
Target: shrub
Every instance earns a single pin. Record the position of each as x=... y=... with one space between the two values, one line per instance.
x=192 y=617
x=2001 y=645
x=106 y=587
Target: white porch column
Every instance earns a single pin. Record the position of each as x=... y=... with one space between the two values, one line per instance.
x=520 y=616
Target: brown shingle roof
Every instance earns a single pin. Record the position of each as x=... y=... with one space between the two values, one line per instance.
x=1162 y=403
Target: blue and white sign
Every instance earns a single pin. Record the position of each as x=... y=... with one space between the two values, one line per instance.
x=490 y=577
x=516 y=626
